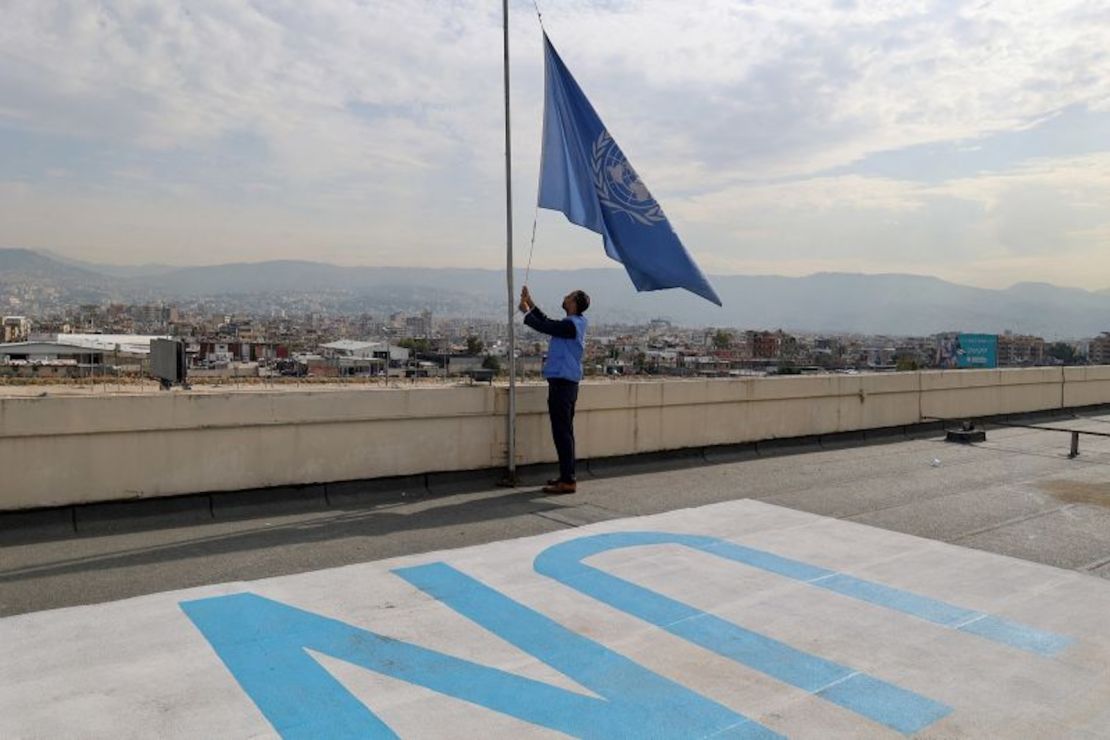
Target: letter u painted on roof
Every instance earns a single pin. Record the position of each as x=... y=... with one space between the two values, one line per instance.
x=878 y=700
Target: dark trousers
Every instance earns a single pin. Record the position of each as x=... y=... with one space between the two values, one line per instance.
x=562 y=395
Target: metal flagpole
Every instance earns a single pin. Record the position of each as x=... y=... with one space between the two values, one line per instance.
x=511 y=420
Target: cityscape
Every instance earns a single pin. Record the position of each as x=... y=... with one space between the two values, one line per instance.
x=65 y=321
x=86 y=340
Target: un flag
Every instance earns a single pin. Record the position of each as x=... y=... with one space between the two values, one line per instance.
x=585 y=175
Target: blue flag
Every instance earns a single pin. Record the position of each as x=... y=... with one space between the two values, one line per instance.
x=585 y=175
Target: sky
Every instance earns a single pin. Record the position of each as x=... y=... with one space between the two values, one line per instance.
x=966 y=140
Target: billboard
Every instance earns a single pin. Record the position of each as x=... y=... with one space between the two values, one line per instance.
x=968 y=351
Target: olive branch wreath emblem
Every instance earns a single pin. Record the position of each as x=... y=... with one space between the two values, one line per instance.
x=649 y=215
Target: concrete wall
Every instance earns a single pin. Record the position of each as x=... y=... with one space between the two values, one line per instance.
x=64 y=449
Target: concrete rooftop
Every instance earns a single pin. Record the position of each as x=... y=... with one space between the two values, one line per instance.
x=1009 y=537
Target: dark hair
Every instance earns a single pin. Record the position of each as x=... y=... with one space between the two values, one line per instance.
x=581 y=300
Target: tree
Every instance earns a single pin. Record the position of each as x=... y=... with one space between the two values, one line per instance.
x=1063 y=352
x=474 y=345
x=722 y=339
x=492 y=363
x=416 y=345
x=907 y=363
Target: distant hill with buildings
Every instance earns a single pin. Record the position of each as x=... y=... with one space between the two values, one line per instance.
x=32 y=264
x=828 y=302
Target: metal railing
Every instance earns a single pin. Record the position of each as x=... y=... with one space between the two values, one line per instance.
x=1073 y=451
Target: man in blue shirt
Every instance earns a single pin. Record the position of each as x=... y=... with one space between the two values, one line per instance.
x=563 y=370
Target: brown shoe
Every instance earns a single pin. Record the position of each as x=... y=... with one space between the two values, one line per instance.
x=560 y=487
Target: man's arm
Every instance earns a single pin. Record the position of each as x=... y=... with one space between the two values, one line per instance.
x=538 y=321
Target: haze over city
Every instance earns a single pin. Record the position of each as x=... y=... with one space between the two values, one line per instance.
x=970 y=141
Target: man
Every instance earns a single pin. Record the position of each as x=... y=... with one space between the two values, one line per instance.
x=563 y=370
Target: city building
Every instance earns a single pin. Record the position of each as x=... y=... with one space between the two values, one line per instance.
x=764 y=345
x=352 y=357
x=216 y=353
x=1098 y=350
x=16 y=329
x=419 y=326
x=49 y=359
x=132 y=344
x=1019 y=349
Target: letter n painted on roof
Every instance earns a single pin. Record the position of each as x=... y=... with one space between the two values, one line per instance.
x=265 y=645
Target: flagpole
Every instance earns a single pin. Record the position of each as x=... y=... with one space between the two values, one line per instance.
x=511 y=420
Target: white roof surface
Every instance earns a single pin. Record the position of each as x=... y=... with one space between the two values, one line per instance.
x=133 y=343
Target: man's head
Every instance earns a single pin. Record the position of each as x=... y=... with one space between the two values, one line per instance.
x=576 y=302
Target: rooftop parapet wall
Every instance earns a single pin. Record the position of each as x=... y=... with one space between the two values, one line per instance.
x=1086 y=386
x=64 y=450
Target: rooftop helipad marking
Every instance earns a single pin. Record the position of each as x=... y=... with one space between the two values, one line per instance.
x=564 y=563
x=406 y=637
x=868 y=696
x=264 y=644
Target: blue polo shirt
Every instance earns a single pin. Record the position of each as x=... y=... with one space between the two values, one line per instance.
x=567 y=345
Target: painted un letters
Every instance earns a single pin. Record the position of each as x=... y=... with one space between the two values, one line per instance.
x=264 y=644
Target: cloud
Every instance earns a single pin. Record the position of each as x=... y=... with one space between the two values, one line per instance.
x=173 y=76
x=787 y=89
x=1039 y=216
x=806 y=133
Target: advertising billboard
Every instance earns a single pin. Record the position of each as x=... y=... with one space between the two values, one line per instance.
x=968 y=351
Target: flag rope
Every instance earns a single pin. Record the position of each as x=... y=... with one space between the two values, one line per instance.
x=532 y=246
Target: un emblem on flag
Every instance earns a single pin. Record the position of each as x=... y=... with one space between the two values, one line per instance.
x=618 y=186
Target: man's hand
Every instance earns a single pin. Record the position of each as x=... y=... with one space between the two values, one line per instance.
x=526 y=303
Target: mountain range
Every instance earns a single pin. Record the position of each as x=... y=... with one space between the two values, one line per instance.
x=824 y=302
